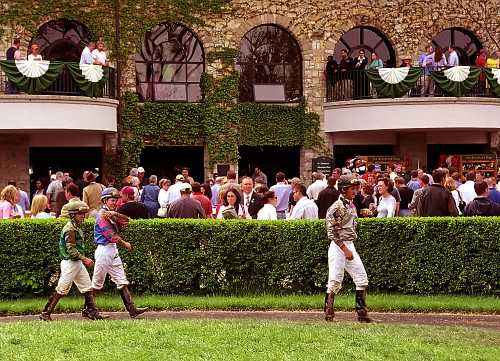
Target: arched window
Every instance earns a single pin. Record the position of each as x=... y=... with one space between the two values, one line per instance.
x=170 y=64
x=270 y=65
x=62 y=39
x=464 y=41
x=371 y=40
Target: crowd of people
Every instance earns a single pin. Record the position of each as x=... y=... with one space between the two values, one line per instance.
x=430 y=59
x=394 y=192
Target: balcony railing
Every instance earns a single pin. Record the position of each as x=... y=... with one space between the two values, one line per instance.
x=65 y=85
x=355 y=85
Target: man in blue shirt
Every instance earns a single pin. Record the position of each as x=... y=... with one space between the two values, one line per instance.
x=282 y=191
x=414 y=183
x=493 y=193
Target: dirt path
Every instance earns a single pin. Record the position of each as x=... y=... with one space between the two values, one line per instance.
x=441 y=319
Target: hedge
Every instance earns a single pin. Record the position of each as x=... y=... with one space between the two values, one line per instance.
x=406 y=255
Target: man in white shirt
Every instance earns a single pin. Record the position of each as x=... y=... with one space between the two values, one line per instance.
x=466 y=190
x=86 y=57
x=174 y=192
x=282 y=192
x=35 y=53
x=318 y=185
x=453 y=57
x=305 y=208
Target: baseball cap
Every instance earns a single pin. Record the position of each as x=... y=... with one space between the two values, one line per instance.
x=141 y=170
x=185 y=187
x=179 y=177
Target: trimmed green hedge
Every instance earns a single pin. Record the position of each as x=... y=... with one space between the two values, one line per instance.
x=408 y=255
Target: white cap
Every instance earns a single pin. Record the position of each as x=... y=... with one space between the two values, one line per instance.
x=141 y=170
x=179 y=177
x=185 y=187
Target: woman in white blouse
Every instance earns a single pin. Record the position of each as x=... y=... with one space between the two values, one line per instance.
x=38 y=206
x=268 y=210
x=387 y=203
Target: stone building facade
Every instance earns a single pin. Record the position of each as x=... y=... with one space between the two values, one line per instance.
x=317 y=26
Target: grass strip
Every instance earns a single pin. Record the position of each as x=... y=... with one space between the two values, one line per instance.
x=141 y=340
x=376 y=302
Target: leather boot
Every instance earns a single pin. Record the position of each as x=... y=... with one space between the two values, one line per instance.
x=90 y=309
x=361 y=308
x=129 y=304
x=49 y=307
x=328 y=309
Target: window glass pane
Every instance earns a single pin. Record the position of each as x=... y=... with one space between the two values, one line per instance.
x=172 y=92
x=194 y=72
x=194 y=93
x=370 y=38
x=173 y=73
x=442 y=39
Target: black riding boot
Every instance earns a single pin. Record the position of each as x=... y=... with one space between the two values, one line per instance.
x=129 y=304
x=49 y=307
x=89 y=308
x=328 y=309
x=361 y=308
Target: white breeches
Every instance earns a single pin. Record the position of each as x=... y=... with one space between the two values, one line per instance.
x=73 y=271
x=108 y=261
x=337 y=264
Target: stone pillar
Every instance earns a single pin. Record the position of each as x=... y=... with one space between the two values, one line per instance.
x=14 y=160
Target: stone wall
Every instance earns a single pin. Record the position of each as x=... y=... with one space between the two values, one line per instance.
x=14 y=160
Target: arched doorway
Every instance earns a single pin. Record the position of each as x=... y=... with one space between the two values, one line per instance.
x=270 y=65
x=170 y=64
x=368 y=38
x=464 y=41
x=62 y=39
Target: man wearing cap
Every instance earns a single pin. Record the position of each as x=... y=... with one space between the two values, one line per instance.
x=140 y=174
x=92 y=194
x=186 y=207
x=107 y=259
x=173 y=192
x=72 y=252
x=342 y=256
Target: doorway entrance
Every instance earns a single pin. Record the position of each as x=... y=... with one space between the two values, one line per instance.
x=270 y=160
x=167 y=162
x=73 y=160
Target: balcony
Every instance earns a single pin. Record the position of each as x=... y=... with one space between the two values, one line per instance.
x=354 y=104
x=62 y=107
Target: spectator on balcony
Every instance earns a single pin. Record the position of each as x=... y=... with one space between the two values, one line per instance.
x=405 y=61
x=13 y=53
x=35 y=53
x=376 y=62
x=433 y=62
x=330 y=69
x=99 y=54
x=86 y=57
x=360 y=79
x=453 y=57
x=346 y=62
x=493 y=61
x=481 y=62
x=421 y=58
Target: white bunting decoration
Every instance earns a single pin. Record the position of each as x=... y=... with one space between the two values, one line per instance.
x=93 y=73
x=496 y=74
x=393 y=75
x=457 y=73
x=32 y=68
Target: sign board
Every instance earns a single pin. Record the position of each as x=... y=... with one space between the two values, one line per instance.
x=269 y=93
x=323 y=165
x=485 y=164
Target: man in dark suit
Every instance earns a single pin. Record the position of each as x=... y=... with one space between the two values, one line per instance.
x=250 y=201
x=327 y=197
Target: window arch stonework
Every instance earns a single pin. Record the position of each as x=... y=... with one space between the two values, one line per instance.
x=170 y=64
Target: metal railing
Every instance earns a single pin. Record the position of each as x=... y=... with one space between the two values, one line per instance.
x=355 y=85
x=65 y=85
